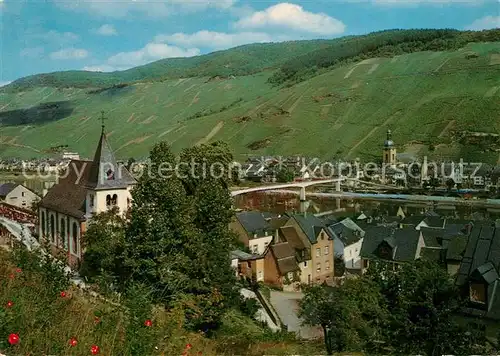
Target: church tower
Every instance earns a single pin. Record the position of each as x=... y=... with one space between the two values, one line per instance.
x=389 y=150
x=109 y=184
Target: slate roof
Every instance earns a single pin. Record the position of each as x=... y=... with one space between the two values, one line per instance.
x=310 y=225
x=413 y=220
x=345 y=234
x=290 y=235
x=404 y=242
x=432 y=237
x=6 y=188
x=105 y=172
x=68 y=195
x=254 y=222
x=481 y=262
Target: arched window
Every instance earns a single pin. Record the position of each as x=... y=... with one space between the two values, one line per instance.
x=63 y=233
x=44 y=227
x=114 y=200
x=52 y=229
x=75 y=238
x=108 y=200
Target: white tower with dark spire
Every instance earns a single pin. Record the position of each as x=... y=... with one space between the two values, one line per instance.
x=389 y=156
x=109 y=184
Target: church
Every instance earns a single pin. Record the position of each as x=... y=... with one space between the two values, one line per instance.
x=86 y=188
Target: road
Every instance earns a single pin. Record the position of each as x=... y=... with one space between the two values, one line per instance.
x=286 y=305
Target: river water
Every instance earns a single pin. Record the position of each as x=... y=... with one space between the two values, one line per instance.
x=280 y=203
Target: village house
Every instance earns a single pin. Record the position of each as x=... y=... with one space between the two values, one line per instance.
x=18 y=195
x=281 y=267
x=88 y=188
x=248 y=266
x=478 y=276
x=318 y=244
x=254 y=230
x=445 y=246
x=348 y=238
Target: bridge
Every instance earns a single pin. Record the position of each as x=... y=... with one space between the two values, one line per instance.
x=301 y=185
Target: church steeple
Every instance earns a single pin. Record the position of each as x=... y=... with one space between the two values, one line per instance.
x=389 y=155
x=105 y=173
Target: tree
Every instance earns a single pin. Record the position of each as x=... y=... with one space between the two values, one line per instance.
x=177 y=240
x=339 y=265
x=285 y=175
x=407 y=310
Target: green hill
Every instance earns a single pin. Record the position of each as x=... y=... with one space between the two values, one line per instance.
x=337 y=107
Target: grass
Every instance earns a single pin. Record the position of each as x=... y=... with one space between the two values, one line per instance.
x=343 y=112
x=45 y=322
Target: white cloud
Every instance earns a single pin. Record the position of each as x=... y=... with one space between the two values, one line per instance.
x=293 y=17
x=149 y=53
x=217 y=40
x=150 y=8
x=106 y=30
x=33 y=52
x=100 y=68
x=69 y=53
x=485 y=23
x=4 y=83
x=57 y=37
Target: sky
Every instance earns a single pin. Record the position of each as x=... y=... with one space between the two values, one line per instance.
x=40 y=36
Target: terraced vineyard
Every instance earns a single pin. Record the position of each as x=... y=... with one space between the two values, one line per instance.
x=425 y=98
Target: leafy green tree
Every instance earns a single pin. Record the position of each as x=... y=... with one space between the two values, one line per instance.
x=285 y=175
x=339 y=265
x=177 y=241
x=407 y=310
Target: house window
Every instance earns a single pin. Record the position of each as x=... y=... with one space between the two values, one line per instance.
x=44 y=227
x=52 y=229
x=22 y=194
x=63 y=234
x=255 y=248
x=318 y=267
x=259 y=276
x=326 y=250
x=365 y=263
x=327 y=265
x=322 y=235
x=305 y=264
x=318 y=252
x=91 y=202
x=477 y=293
x=290 y=276
x=75 y=238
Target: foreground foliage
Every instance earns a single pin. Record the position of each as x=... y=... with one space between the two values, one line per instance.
x=46 y=321
x=177 y=242
x=408 y=311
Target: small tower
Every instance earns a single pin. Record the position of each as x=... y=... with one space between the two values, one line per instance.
x=389 y=150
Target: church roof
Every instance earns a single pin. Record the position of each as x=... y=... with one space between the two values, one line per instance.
x=105 y=172
x=68 y=195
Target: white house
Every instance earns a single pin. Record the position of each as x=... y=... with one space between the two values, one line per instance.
x=18 y=195
x=348 y=238
x=87 y=188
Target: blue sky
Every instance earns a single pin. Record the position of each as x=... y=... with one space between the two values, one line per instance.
x=39 y=36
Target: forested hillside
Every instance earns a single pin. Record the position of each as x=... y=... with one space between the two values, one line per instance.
x=437 y=102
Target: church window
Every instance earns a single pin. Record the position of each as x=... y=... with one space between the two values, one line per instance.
x=108 y=200
x=63 y=233
x=75 y=238
x=44 y=227
x=52 y=229
x=114 y=200
x=386 y=157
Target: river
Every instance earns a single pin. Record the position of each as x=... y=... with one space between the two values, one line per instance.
x=280 y=203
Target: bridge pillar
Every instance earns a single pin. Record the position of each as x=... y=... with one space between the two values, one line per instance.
x=302 y=194
x=337 y=186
